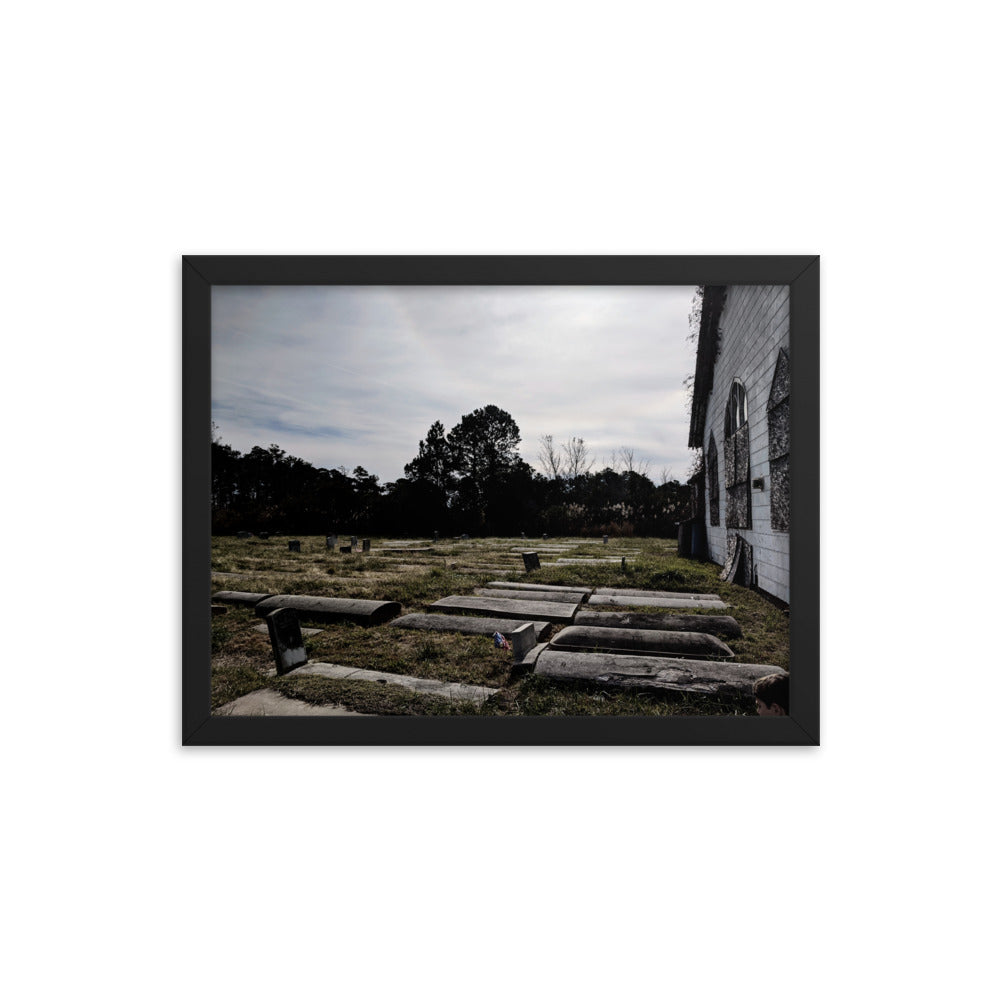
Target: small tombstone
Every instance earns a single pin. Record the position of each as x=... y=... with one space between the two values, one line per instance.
x=295 y=546
x=286 y=640
x=465 y=538
x=605 y=539
x=354 y=541
x=623 y=564
x=522 y=641
x=366 y=545
x=331 y=541
x=530 y=561
x=522 y=534
x=345 y=550
x=435 y=536
x=545 y=537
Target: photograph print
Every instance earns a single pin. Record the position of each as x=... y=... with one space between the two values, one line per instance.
x=555 y=507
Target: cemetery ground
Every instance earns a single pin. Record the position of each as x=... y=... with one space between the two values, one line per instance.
x=417 y=573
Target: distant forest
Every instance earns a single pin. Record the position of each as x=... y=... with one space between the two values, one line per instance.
x=469 y=480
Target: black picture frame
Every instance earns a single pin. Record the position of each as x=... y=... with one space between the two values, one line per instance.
x=200 y=273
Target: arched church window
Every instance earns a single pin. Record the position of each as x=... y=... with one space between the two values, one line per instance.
x=737 y=458
x=779 y=442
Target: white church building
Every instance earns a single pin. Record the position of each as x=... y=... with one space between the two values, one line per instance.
x=740 y=421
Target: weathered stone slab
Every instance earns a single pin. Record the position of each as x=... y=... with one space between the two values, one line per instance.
x=657 y=602
x=722 y=625
x=402 y=548
x=267 y=702
x=421 y=685
x=239 y=597
x=286 y=640
x=510 y=585
x=559 y=596
x=647 y=642
x=305 y=631
x=331 y=609
x=500 y=607
x=467 y=625
x=669 y=594
x=653 y=672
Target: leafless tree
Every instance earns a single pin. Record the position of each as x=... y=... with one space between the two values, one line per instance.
x=549 y=457
x=625 y=459
x=578 y=460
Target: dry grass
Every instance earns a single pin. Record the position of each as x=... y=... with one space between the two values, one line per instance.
x=241 y=660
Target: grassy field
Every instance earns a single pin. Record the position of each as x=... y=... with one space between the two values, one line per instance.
x=242 y=661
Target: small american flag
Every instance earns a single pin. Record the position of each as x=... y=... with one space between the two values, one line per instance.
x=500 y=642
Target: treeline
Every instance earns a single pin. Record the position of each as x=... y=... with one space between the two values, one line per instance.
x=469 y=480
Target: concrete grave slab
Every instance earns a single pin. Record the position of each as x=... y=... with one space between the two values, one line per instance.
x=655 y=642
x=722 y=625
x=501 y=607
x=653 y=672
x=514 y=594
x=331 y=609
x=421 y=685
x=510 y=585
x=241 y=597
x=305 y=631
x=467 y=625
x=669 y=594
x=656 y=602
x=268 y=702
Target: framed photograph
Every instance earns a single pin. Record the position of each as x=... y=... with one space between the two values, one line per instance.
x=500 y=500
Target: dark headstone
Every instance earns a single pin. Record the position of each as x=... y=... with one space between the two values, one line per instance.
x=545 y=537
x=465 y=538
x=219 y=609
x=530 y=561
x=331 y=541
x=605 y=539
x=366 y=545
x=435 y=536
x=295 y=546
x=286 y=639
x=354 y=540
x=345 y=550
x=623 y=564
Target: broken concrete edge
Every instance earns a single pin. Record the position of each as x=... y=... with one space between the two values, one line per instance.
x=451 y=690
x=532 y=655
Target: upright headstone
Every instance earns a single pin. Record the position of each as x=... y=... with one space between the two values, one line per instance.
x=530 y=561
x=465 y=538
x=354 y=540
x=435 y=536
x=331 y=541
x=366 y=545
x=522 y=534
x=286 y=640
x=345 y=550
x=623 y=564
x=545 y=537
x=295 y=546
x=522 y=641
x=605 y=539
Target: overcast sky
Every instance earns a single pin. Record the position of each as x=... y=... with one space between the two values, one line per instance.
x=348 y=376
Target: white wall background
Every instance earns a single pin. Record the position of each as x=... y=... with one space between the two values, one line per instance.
x=864 y=868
